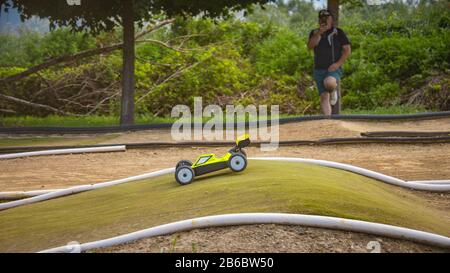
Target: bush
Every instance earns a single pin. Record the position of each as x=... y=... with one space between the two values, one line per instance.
x=262 y=59
x=285 y=53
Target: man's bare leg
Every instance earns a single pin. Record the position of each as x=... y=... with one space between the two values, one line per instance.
x=330 y=83
x=325 y=103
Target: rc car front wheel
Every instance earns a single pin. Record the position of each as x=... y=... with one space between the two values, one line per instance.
x=237 y=162
x=184 y=175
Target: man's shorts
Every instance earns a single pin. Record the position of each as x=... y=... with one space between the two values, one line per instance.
x=321 y=74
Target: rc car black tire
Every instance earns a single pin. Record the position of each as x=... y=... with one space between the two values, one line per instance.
x=183 y=163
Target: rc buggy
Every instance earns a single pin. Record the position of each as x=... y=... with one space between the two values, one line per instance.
x=235 y=159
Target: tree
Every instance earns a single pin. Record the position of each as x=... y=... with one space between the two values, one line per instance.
x=333 y=7
x=95 y=16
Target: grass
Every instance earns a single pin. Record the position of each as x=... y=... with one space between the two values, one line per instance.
x=54 y=120
x=72 y=121
x=263 y=187
x=54 y=141
x=391 y=110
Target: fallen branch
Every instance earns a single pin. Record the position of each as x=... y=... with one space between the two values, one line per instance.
x=8 y=111
x=35 y=105
x=101 y=102
x=155 y=27
x=159 y=43
x=172 y=76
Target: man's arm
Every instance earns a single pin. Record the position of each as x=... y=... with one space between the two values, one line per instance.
x=315 y=37
x=314 y=40
x=346 y=50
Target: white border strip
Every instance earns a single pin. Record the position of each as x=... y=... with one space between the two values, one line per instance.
x=266 y=218
x=14 y=195
x=365 y=172
x=116 y=148
x=443 y=182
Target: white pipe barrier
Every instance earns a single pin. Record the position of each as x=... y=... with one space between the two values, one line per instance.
x=116 y=148
x=443 y=182
x=266 y=218
x=14 y=195
x=82 y=188
x=365 y=172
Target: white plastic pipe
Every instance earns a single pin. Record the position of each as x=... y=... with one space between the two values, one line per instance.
x=362 y=171
x=116 y=148
x=14 y=195
x=444 y=182
x=266 y=218
x=82 y=188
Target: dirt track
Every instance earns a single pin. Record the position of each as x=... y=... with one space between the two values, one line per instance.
x=269 y=238
x=410 y=162
x=406 y=161
x=312 y=130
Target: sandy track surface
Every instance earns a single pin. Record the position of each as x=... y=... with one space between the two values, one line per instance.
x=269 y=238
x=410 y=162
x=311 y=130
x=307 y=130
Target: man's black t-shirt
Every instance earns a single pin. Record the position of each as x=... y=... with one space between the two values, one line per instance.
x=323 y=56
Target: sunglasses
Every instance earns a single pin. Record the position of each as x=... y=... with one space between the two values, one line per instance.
x=324 y=13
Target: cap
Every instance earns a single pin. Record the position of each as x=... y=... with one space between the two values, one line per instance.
x=325 y=13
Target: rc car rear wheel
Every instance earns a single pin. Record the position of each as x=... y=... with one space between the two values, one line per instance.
x=237 y=162
x=184 y=175
x=183 y=163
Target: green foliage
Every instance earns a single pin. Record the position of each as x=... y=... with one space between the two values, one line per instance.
x=212 y=74
x=398 y=51
x=285 y=53
x=63 y=42
x=103 y=15
x=20 y=50
x=27 y=48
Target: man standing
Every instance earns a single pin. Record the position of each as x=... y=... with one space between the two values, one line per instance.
x=331 y=49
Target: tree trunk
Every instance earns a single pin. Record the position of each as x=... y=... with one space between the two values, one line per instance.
x=333 y=7
x=127 y=104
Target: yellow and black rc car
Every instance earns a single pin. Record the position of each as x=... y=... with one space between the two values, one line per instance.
x=235 y=159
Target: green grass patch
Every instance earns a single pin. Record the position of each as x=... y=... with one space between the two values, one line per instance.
x=263 y=187
x=68 y=121
x=391 y=110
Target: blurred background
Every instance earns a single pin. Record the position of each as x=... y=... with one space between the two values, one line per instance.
x=399 y=63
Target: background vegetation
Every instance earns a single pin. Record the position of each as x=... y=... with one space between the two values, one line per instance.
x=400 y=61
